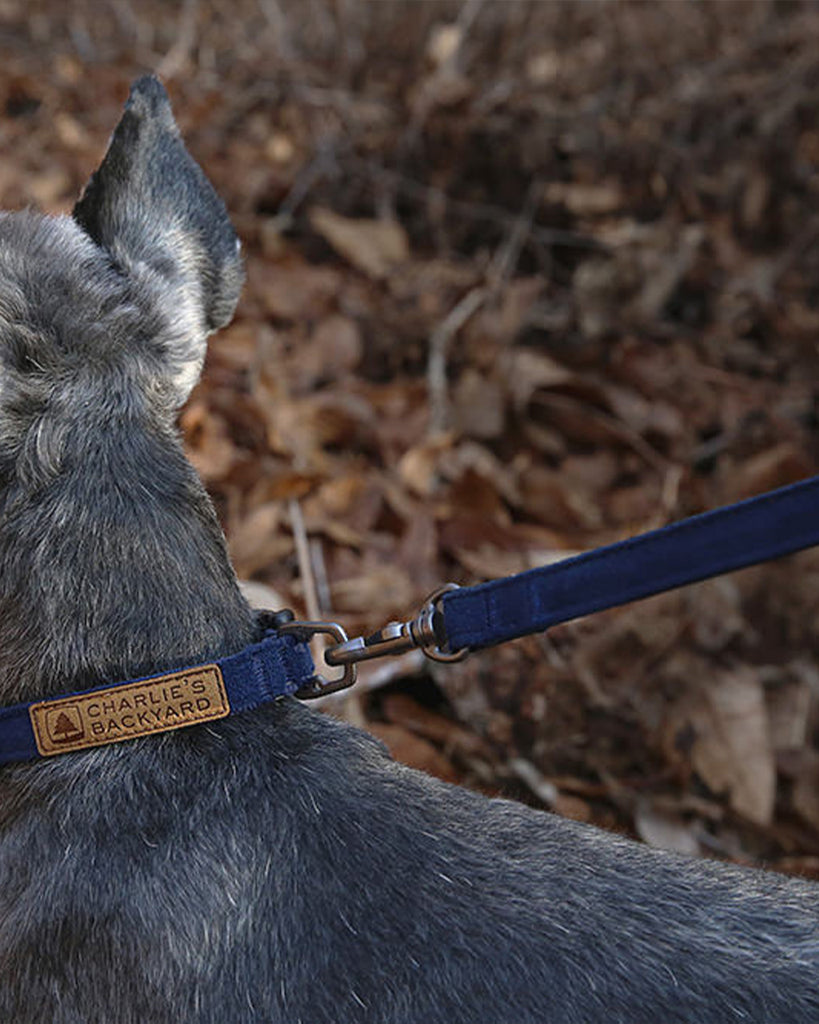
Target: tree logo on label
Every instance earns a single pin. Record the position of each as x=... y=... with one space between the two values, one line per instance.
x=64 y=725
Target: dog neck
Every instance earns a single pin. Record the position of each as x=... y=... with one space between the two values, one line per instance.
x=113 y=569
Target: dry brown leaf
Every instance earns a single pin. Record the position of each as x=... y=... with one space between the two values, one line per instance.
x=586 y=200
x=307 y=425
x=208 y=443
x=71 y=132
x=255 y=542
x=419 y=466
x=630 y=407
x=634 y=509
x=577 y=421
x=526 y=371
x=236 y=347
x=716 y=613
x=352 y=497
x=470 y=459
x=600 y=287
x=375 y=247
x=260 y=595
x=386 y=588
x=775 y=467
x=433 y=284
x=412 y=750
x=805 y=795
x=487 y=562
x=790 y=700
x=280 y=482
x=478 y=408
x=48 y=187
x=403 y=710
x=337 y=341
x=664 y=831
x=568 y=806
x=595 y=473
x=330 y=353
x=294 y=291
x=563 y=504
x=476 y=540
x=417 y=550
x=478 y=495
x=664 y=270
x=340 y=533
x=726 y=722
x=496 y=325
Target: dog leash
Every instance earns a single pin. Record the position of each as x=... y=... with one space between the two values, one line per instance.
x=454 y=621
x=457 y=620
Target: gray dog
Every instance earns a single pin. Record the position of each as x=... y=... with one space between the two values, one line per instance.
x=275 y=865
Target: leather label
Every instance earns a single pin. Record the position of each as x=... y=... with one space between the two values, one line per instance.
x=126 y=712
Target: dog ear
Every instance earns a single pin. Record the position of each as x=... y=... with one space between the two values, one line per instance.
x=151 y=207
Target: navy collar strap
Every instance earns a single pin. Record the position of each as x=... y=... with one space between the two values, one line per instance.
x=277 y=666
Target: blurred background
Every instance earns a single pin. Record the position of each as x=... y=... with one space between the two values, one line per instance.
x=523 y=278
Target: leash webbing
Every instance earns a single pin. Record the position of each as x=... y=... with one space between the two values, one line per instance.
x=456 y=620
x=755 y=530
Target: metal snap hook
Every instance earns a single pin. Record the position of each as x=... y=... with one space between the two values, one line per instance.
x=318 y=686
x=399 y=637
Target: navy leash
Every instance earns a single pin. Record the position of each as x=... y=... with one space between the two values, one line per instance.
x=453 y=622
x=756 y=530
x=458 y=620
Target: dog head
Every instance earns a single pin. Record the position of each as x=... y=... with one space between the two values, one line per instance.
x=104 y=316
x=114 y=305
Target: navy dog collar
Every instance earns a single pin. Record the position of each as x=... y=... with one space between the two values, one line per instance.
x=279 y=665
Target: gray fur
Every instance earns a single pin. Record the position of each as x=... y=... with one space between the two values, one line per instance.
x=275 y=866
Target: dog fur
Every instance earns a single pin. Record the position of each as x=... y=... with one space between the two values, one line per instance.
x=275 y=866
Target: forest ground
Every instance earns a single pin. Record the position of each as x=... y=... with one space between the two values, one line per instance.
x=523 y=279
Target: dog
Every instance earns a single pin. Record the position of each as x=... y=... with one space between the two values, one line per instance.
x=274 y=866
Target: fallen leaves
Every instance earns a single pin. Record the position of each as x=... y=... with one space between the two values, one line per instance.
x=375 y=247
x=507 y=302
x=723 y=726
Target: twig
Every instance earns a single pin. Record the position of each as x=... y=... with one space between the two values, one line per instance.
x=506 y=258
x=323 y=161
x=606 y=421
x=308 y=581
x=277 y=20
x=174 y=60
x=82 y=40
x=503 y=266
x=534 y=779
x=438 y=352
x=475 y=211
x=350 y=705
x=428 y=95
x=320 y=575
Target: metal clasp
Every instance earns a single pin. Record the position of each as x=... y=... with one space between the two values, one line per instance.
x=318 y=686
x=399 y=637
